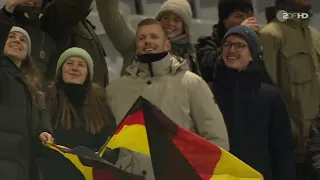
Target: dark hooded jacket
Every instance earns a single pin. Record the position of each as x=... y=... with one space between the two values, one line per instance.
x=62 y=25
x=257 y=120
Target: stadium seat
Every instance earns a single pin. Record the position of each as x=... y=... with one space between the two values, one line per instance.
x=201 y=28
x=316 y=7
x=315 y=21
x=95 y=20
x=134 y=20
x=151 y=7
x=208 y=10
x=127 y=7
x=260 y=6
x=113 y=58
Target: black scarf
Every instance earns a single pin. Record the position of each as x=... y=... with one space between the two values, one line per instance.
x=75 y=93
x=150 y=58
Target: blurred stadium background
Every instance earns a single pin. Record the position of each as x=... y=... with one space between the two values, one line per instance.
x=204 y=14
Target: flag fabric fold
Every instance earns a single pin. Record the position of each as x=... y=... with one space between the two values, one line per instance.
x=91 y=165
x=175 y=152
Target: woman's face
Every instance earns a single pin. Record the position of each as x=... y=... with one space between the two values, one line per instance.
x=75 y=70
x=172 y=24
x=16 y=46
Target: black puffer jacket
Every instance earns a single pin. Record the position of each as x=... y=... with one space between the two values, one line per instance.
x=20 y=122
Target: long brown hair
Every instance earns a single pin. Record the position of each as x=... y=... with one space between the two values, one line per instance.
x=34 y=81
x=62 y=112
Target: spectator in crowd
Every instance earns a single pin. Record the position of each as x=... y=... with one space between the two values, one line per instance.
x=314 y=151
x=174 y=15
x=20 y=97
x=166 y=82
x=231 y=13
x=56 y=26
x=293 y=65
x=78 y=110
x=254 y=112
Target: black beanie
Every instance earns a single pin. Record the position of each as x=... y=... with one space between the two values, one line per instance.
x=249 y=36
x=227 y=7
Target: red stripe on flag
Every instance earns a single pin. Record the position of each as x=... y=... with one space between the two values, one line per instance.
x=202 y=154
x=103 y=174
x=136 y=118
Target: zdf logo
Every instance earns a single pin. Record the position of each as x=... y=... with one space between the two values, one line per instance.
x=283 y=15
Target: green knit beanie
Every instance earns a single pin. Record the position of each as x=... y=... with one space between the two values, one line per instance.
x=76 y=52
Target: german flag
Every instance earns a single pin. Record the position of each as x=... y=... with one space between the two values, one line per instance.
x=176 y=153
x=90 y=165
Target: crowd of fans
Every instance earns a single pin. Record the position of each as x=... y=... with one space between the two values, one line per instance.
x=253 y=92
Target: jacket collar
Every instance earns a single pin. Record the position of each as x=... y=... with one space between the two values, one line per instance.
x=168 y=65
x=159 y=67
x=246 y=79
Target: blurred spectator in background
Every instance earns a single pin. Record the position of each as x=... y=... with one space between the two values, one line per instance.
x=291 y=54
x=54 y=27
x=166 y=82
x=21 y=100
x=313 y=171
x=79 y=113
x=254 y=112
x=174 y=15
x=231 y=13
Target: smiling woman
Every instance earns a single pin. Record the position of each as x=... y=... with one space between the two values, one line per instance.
x=79 y=112
x=20 y=120
x=75 y=70
x=18 y=45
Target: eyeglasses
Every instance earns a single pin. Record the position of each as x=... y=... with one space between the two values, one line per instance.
x=237 y=46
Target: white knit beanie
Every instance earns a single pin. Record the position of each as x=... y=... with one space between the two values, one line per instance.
x=25 y=33
x=181 y=8
x=76 y=52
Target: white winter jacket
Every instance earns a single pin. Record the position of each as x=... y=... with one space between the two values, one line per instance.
x=180 y=94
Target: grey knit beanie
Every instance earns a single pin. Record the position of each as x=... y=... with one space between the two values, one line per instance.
x=180 y=8
x=26 y=34
x=76 y=52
